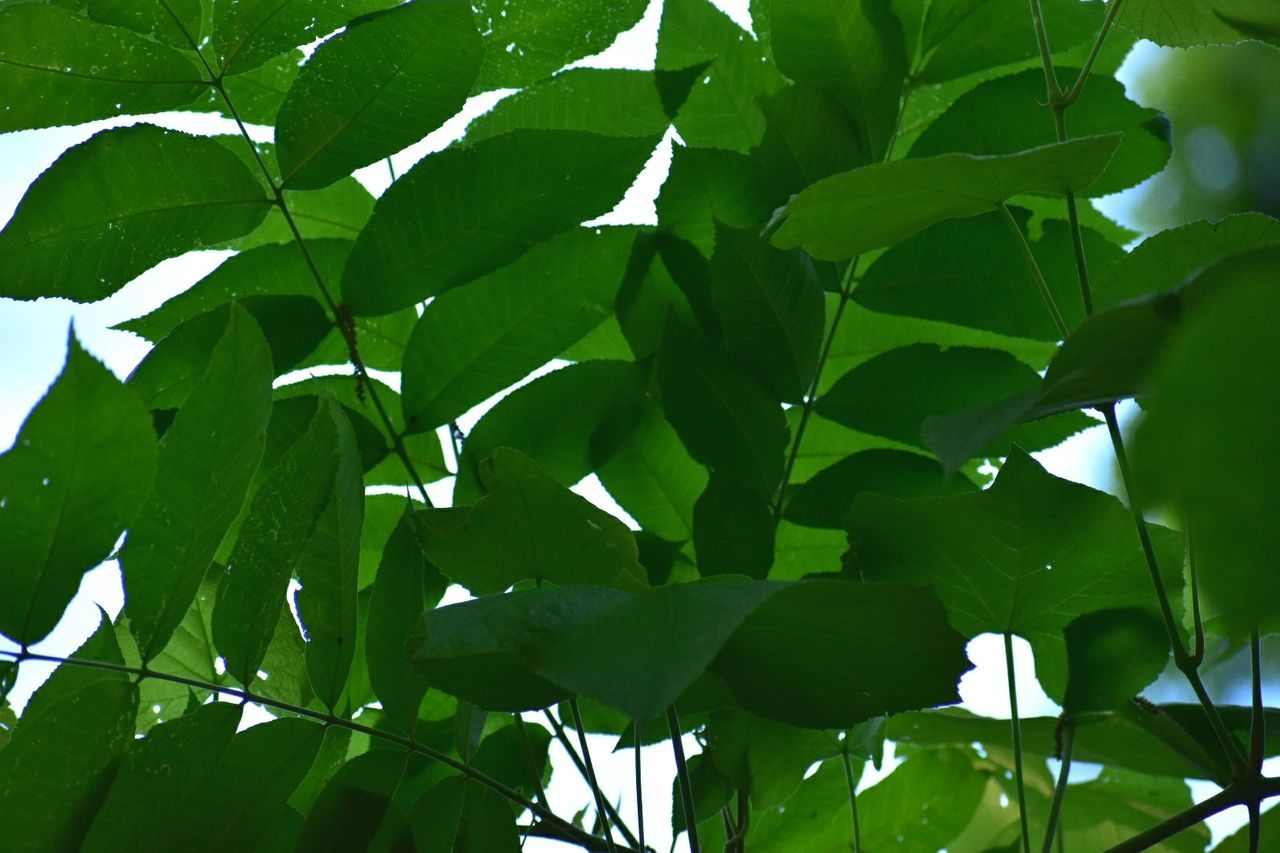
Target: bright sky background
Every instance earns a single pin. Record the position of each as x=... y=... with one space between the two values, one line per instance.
x=32 y=349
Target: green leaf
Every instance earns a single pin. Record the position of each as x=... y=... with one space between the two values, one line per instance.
x=768 y=760
x=515 y=755
x=282 y=515
x=528 y=526
x=853 y=52
x=1026 y=556
x=569 y=421
x=385 y=82
x=208 y=457
x=337 y=211
x=808 y=136
x=826 y=497
x=830 y=654
x=1004 y=115
x=258 y=94
x=399 y=596
x=1204 y=444
x=247 y=34
x=972 y=273
x=882 y=204
x=58 y=68
x=724 y=419
x=1112 y=655
x=707 y=184
x=476 y=340
x=1127 y=803
x=1166 y=260
x=329 y=571
x=1186 y=23
x=532 y=40
x=175 y=22
x=160 y=774
x=733 y=530
x=519 y=190
x=608 y=101
x=356 y=807
x=461 y=816
x=487 y=650
x=79 y=469
x=65 y=750
x=112 y=207
x=772 y=309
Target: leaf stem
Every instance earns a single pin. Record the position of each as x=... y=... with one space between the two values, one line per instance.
x=1036 y=274
x=1060 y=789
x=686 y=783
x=551 y=822
x=591 y=771
x=612 y=813
x=1113 y=7
x=1016 y=725
x=1046 y=55
x=853 y=799
x=635 y=728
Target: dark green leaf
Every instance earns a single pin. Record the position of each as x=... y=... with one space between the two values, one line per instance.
x=208 y=457
x=808 y=136
x=725 y=420
x=772 y=310
x=461 y=816
x=399 y=596
x=385 y=82
x=281 y=517
x=519 y=189
x=245 y=35
x=764 y=758
x=355 y=807
x=515 y=755
x=112 y=207
x=474 y=341
x=174 y=22
x=78 y=471
x=707 y=184
x=733 y=530
x=528 y=526
x=1186 y=23
x=853 y=52
x=1026 y=556
x=337 y=211
x=1112 y=655
x=57 y=67
x=882 y=204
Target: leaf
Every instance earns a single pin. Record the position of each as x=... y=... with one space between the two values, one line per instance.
x=476 y=340
x=724 y=419
x=882 y=204
x=247 y=34
x=58 y=68
x=1204 y=444
x=207 y=459
x=528 y=526
x=338 y=211
x=1186 y=23
x=519 y=190
x=808 y=136
x=1112 y=656
x=1166 y=260
x=853 y=52
x=515 y=755
x=176 y=22
x=608 y=101
x=569 y=421
x=766 y=759
x=112 y=207
x=329 y=570
x=707 y=184
x=160 y=774
x=486 y=650
x=1012 y=104
x=65 y=748
x=972 y=273
x=772 y=309
x=829 y=654
x=826 y=497
x=79 y=469
x=281 y=518
x=535 y=39
x=386 y=81
x=460 y=816
x=399 y=596
x=733 y=530
x=1026 y=556
x=356 y=807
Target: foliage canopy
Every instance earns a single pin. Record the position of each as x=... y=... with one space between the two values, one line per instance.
x=873 y=272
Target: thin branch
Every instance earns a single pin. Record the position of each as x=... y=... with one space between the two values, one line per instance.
x=563 y=737
x=591 y=771
x=1034 y=269
x=635 y=727
x=1046 y=55
x=1257 y=717
x=1070 y=97
x=1053 y=827
x=686 y=783
x=1221 y=801
x=853 y=799
x=1016 y=726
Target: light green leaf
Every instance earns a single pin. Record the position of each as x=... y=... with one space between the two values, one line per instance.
x=768 y=760
x=882 y=204
x=1186 y=23
x=174 y=22
x=281 y=517
x=337 y=211
x=208 y=457
x=57 y=68
x=112 y=207
x=247 y=33
x=78 y=471
x=476 y=340
x=853 y=52
x=466 y=211
x=733 y=530
x=528 y=526
x=385 y=82
x=772 y=310
x=724 y=419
